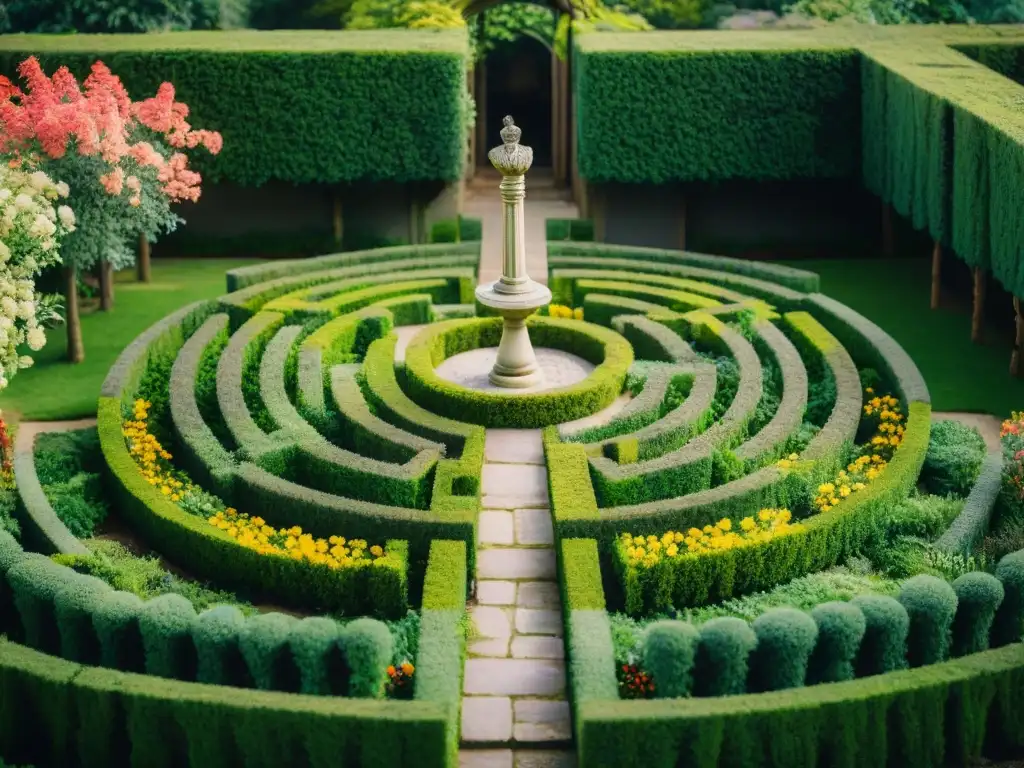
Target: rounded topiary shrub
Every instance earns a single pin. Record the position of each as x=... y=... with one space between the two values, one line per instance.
x=931 y=605
x=667 y=650
x=115 y=618
x=884 y=646
x=1008 y=626
x=954 y=458
x=368 y=647
x=166 y=627
x=722 y=659
x=785 y=641
x=267 y=653
x=35 y=581
x=841 y=628
x=979 y=596
x=316 y=649
x=74 y=604
x=216 y=634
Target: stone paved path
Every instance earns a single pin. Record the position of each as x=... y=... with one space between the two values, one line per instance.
x=514 y=692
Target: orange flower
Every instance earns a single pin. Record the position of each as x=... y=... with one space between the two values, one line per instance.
x=391 y=671
x=407 y=668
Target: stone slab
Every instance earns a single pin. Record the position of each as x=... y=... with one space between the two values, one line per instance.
x=539 y=720
x=496 y=592
x=496 y=647
x=515 y=564
x=513 y=446
x=533 y=621
x=535 y=758
x=486 y=719
x=538 y=594
x=486 y=758
x=496 y=527
x=534 y=526
x=514 y=677
x=471 y=370
x=517 y=485
x=537 y=647
x=491 y=621
x=405 y=334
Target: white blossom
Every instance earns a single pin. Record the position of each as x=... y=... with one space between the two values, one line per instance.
x=67 y=217
x=62 y=189
x=36 y=339
x=25 y=361
x=24 y=202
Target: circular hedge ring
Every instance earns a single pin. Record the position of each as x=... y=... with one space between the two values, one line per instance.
x=603 y=347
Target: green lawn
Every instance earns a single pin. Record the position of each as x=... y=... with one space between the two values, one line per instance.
x=895 y=294
x=53 y=390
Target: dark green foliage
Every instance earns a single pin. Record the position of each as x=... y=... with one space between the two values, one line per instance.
x=726 y=466
x=580 y=230
x=954 y=458
x=74 y=605
x=931 y=604
x=299 y=137
x=884 y=647
x=757 y=130
x=1008 y=626
x=368 y=651
x=785 y=641
x=667 y=651
x=59 y=456
x=319 y=658
x=267 y=653
x=722 y=658
x=105 y=16
x=841 y=628
x=67 y=465
x=216 y=635
x=116 y=621
x=979 y=596
x=455 y=230
x=166 y=624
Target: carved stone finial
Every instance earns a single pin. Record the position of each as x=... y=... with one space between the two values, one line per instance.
x=511 y=133
x=511 y=158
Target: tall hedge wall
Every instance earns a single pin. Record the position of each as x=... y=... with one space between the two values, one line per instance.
x=303 y=107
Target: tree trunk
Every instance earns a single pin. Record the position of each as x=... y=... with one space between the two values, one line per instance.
x=338 y=221
x=888 y=244
x=978 y=316
x=106 y=286
x=1018 y=342
x=76 y=350
x=936 y=274
x=142 y=266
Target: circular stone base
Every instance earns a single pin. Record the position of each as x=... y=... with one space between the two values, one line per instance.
x=472 y=370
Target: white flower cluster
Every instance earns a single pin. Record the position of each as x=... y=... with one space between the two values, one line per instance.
x=32 y=225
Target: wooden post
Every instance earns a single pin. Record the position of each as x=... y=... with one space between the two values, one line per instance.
x=142 y=265
x=978 y=315
x=936 y=274
x=337 y=220
x=1018 y=342
x=76 y=350
x=888 y=245
x=106 y=286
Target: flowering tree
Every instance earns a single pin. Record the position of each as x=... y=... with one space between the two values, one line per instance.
x=31 y=229
x=123 y=161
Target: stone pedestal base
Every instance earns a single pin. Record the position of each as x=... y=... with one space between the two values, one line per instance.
x=516 y=365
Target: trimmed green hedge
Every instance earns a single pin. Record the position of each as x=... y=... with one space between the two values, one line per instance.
x=607 y=350
x=956 y=710
x=636 y=94
x=319 y=99
x=59 y=714
x=971 y=525
x=40 y=525
x=580 y=230
x=457 y=230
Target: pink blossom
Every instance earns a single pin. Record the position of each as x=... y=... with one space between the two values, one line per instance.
x=113 y=182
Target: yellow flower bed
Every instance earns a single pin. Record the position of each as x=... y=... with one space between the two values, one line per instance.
x=254 y=533
x=251 y=532
x=648 y=551
x=869 y=466
x=559 y=310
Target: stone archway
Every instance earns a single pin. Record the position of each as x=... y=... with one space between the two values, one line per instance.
x=556 y=146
